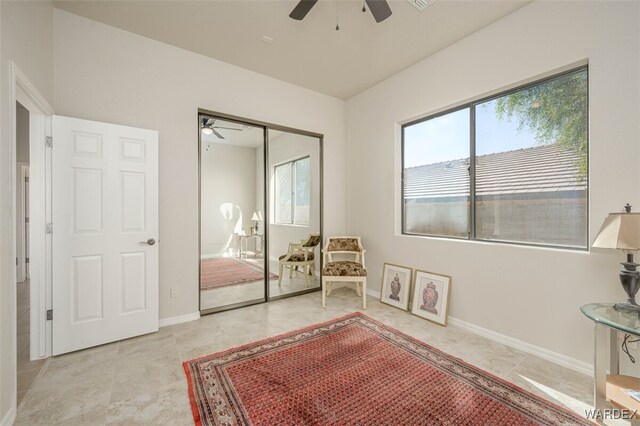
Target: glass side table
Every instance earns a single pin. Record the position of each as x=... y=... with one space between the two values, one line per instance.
x=608 y=324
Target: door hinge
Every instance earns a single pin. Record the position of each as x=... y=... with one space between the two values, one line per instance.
x=49 y=228
x=26 y=220
x=49 y=314
x=26 y=179
x=26 y=260
x=16 y=261
x=48 y=142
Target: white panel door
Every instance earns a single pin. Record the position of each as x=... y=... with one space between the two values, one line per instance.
x=105 y=232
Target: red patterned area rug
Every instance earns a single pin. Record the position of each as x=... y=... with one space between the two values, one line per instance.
x=229 y=271
x=355 y=370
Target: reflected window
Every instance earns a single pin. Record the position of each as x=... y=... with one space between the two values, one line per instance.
x=292 y=192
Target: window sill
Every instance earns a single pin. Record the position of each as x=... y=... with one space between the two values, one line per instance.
x=496 y=243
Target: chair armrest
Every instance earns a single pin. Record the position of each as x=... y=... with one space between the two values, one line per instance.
x=295 y=246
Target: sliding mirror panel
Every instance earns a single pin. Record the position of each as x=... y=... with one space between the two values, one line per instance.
x=232 y=237
x=294 y=172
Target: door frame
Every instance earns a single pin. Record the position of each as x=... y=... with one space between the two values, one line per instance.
x=40 y=111
x=265 y=243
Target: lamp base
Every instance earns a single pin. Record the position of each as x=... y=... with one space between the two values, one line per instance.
x=628 y=307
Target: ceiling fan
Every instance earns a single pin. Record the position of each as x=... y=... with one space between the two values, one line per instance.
x=208 y=127
x=379 y=9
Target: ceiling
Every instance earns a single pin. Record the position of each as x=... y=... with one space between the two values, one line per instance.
x=308 y=53
x=247 y=137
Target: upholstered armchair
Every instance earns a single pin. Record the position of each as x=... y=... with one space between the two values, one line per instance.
x=300 y=255
x=336 y=270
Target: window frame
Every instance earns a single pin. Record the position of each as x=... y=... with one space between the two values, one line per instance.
x=293 y=186
x=472 y=104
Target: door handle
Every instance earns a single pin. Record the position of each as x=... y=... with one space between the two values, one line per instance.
x=149 y=242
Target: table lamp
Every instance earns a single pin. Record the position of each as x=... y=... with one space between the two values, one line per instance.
x=621 y=231
x=256 y=217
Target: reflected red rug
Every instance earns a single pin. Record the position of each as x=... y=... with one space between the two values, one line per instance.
x=355 y=370
x=229 y=271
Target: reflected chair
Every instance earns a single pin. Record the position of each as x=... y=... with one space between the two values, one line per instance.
x=335 y=270
x=300 y=255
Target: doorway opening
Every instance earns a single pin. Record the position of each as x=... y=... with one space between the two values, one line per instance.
x=26 y=370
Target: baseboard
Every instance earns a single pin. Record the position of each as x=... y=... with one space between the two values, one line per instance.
x=373 y=293
x=563 y=360
x=179 y=319
x=207 y=256
x=10 y=416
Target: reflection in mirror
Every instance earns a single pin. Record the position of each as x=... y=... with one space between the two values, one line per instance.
x=231 y=213
x=294 y=212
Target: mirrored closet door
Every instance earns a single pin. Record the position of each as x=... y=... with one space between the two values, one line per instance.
x=260 y=212
x=295 y=243
x=232 y=214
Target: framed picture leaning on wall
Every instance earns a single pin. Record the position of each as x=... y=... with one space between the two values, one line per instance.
x=431 y=296
x=396 y=286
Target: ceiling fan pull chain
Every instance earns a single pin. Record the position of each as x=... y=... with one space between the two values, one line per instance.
x=337 y=16
x=364 y=9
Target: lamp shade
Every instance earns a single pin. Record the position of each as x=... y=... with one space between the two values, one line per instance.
x=619 y=231
x=255 y=216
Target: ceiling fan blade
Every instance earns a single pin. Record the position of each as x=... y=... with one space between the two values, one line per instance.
x=217 y=134
x=302 y=8
x=226 y=128
x=379 y=9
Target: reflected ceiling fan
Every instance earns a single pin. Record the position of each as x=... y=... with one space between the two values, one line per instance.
x=209 y=128
x=379 y=9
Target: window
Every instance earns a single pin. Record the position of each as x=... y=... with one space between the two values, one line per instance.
x=292 y=192
x=512 y=168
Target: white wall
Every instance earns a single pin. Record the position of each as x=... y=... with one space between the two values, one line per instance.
x=103 y=73
x=228 y=197
x=528 y=293
x=26 y=30
x=286 y=147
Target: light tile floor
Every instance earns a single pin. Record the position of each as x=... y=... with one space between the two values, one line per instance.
x=253 y=291
x=141 y=381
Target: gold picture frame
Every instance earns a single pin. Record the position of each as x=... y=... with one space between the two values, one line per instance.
x=430 y=296
x=396 y=286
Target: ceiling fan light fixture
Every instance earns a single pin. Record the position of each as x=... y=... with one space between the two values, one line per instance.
x=207 y=131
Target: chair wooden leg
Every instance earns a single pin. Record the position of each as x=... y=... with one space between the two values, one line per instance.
x=324 y=292
x=358 y=288
x=364 y=294
x=305 y=270
x=329 y=288
x=290 y=271
x=280 y=274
